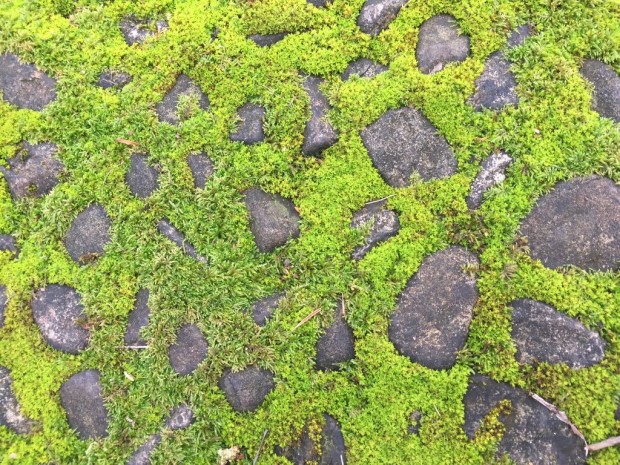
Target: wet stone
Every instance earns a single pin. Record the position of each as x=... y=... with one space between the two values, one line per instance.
x=250 y=127
x=383 y=225
x=142 y=456
x=167 y=110
x=440 y=43
x=181 y=417
x=202 y=168
x=319 y=134
x=433 y=313
x=141 y=178
x=263 y=308
x=302 y=451
x=402 y=142
x=10 y=413
x=267 y=40
x=376 y=15
x=518 y=36
x=88 y=234
x=115 y=79
x=336 y=345
x=34 y=171
x=81 y=398
x=177 y=237
x=59 y=314
x=189 y=350
x=273 y=219
x=363 y=68
x=8 y=244
x=496 y=87
x=577 y=223
x=492 y=173
x=3 y=302
x=138 y=319
x=542 y=334
x=136 y=31
x=333 y=448
x=24 y=85
x=247 y=389
x=606 y=82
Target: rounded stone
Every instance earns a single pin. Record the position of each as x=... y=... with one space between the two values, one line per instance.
x=202 y=168
x=383 y=225
x=24 y=85
x=496 y=87
x=319 y=134
x=267 y=40
x=364 y=68
x=82 y=400
x=138 y=319
x=492 y=173
x=333 y=448
x=88 y=234
x=336 y=345
x=180 y=417
x=8 y=244
x=606 y=82
x=167 y=109
x=247 y=389
x=376 y=15
x=263 y=308
x=113 y=79
x=10 y=412
x=440 y=43
x=190 y=349
x=141 y=178
x=250 y=128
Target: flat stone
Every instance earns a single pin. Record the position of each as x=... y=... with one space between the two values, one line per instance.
x=403 y=141
x=189 y=350
x=88 y=234
x=383 y=225
x=273 y=219
x=167 y=109
x=267 y=40
x=376 y=15
x=250 y=128
x=181 y=417
x=138 y=319
x=363 y=68
x=247 y=389
x=577 y=223
x=24 y=85
x=8 y=244
x=496 y=87
x=542 y=334
x=202 y=168
x=177 y=237
x=263 y=308
x=606 y=82
x=3 y=302
x=302 y=451
x=81 y=398
x=59 y=314
x=115 y=79
x=141 y=178
x=433 y=313
x=142 y=456
x=136 y=31
x=333 y=448
x=518 y=36
x=440 y=43
x=34 y=171
x=10 y=413
x=336 y=345
x=492 y=173
x=319 y=134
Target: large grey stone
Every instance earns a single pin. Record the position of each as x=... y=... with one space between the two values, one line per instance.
x=81 y=398
x=263 y=308
x=24 y=85
x=10 y=413
x=250 y=127
x=433 y=313
x=319 y=134
x=3 y=301
x=180 y=417
x=138 y=319
x=177 y=238
x=267 y=40
x=113 y=79
x=496 y=87
x=136 y=31
x=246 y=390
x=142 y=456
x=383 y=225
x=440 y=43
x=59 y=314
x=336 y=345
x=577 y=223
x=606 y=82
x=202 y=168
x=492 y=173
x=376 y=15
x=88 y=234
x=542 y=334
x=189 y=350
x=403 y=141
x=363 y=68
x=168 y=110
x=141 y=178
x=8 y=244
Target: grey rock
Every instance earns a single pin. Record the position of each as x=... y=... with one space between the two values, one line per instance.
x=189 y=350
x=3 y=302
x=606 y=82
x=403 y=141
x=440 y=43
x=333 y=448
x=167 y=109
x=202 y=168
x=492 y=173
x=433 y=313
x=414 y=422
x=8 y=244
x=617 y=413
x=138 y=319
x=319 y=134
x=88 y=234
x=10 y=413
x=177 y=237
x=141 y=178
x=263 y=308
x=247 y=389
x=59 y=314
x=496 y=87
x=142 y=456
x=336 y=345
x=273 y=219
x=302 y=451
x=267 y=40
x=115 y=79
x=483 y=395
x=81 y=398
x=518 y=36
x=383 y=225
x=161 y=26
x=319 y=3
x=577 y=223
x=24 y=85
x=181 y=417
x=542 y=334
x=34 y=171
x=363 y=68
x=376 y=15
x=250 y=128
x=136 y=31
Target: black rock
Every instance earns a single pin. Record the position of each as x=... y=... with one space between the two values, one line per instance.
x=34 y=171
x=403 y=141
x=363 y=68
x=492 y=173
x=138 y=319
x=250 y=128
x=333 y=448
x=24 y=85
x=302 y=451
x=88 y=234
x=376 y=15
x=177 y=237
x=336 y=345
x=189 y=350
x=167 y=109
x=383 y=225
x=617 y=413
x=263 y=308
x=433 y=313
x=136 y=31
x=518 y=36
x=319 y=134
x=81 y=398
x=202 y=168
x=440 y=43
x=115 y=79
x=606 y=82
x=142 y=456
x=577 y=223
x=543 y=334
x=3 y=301
x=246 y=390
x=496 y=87
x=141 y=178
x=180 y=417
x=273 y=219
x=8 y=244
x=267 y=40
x=10 y=414
x=59 y=314
x=319 y=3
x=414 y=422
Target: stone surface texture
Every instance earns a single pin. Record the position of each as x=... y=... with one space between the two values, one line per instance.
x=606 y=83
x=336 y=345
x=440 y=42
x=376 y=15
x=138 y=319
x=82 y=399
x=247 y=389
x=10 y=413
x=202 y=168
x=363 y=68
x=113 y=79
x=496 y=87
x=142 y=456
x=181 y=417
x=267 y=40
x=263 y=308
x=383 y=225
x=167 y=109
x=136 y=31
x=89 y=233
x=177 y=237
x=302 y=451
x=8 y=244
x=3 y=302
x=518 y=36
x=492 y=173
x=333 y=450
x=250 y=127
x=141 y=178
x=24 y=85
x=319 y=134
x=189 y=350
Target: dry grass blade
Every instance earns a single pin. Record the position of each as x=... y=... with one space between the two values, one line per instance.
x=307 y=318
x=120 y=140
x=609 y=442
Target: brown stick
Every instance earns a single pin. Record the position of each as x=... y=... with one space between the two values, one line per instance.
x=120 y=140
x=609 y=442
x=307 y=318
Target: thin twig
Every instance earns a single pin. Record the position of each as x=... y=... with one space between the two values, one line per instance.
x=380 y=200
x=260 y=446
x=120 y=140
x=133 y=347
x=307 y=318
x=609 y=442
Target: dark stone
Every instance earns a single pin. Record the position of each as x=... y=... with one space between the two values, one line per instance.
x=333 y=448
x=136 y=31
x=88 y=234
x=496 y=87
x=606 y=82
x=141 y=178
x=81 y=398
x=180 y=417
x=189 y=350
x=577 y=223
x=34 y=171
x=273 y=219
x=433 y=313
x=376 y=15
x=492 y=173
x=263 y=309
x=318 y=3
x=250 y=128
x=518 y=36
x=24 y=85
x=10 y=414
x=167 y=109
x=617 y=414
x=246 y=390
x=115 y=79
x=403 y=141
x=337 y=345
x=542 y=334
x=142 y=456
x=202 y=168
x=177 y=237
x=8 y=244
x=302 y=451
x=59 y=314
x=3 y=301
x=363 y=68
x=383 y=225
x=414 y=422
x=319 y=134
x=138 y=319
x=267 y=40
x=439 y=43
